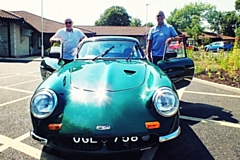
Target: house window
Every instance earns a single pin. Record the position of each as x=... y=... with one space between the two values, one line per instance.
x=39 y=42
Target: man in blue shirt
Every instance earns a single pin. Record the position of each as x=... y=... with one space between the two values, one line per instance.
x=70 y=38
x=160 y=35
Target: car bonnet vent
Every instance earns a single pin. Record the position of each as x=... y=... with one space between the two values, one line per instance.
x=129 y=72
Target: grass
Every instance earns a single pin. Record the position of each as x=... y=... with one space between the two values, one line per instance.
x=209 y=62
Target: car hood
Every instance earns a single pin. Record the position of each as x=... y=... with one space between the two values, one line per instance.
x=123 y=111
x=113 y=95
x=107 y=75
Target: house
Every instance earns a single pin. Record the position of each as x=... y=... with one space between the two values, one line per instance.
x=20 y=33
x=213 y=37
x=136 y=32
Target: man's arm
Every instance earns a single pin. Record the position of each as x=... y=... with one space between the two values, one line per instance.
x=174 y=36
x=170 y=39
x=148 y=50
x=85 y=37
x=55 y=37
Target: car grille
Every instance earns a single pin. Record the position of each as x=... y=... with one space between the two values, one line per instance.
x=107 y=144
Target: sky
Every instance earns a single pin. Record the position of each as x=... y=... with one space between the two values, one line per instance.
x=86 y=12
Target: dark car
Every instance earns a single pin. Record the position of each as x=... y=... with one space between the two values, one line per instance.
x=217 y=46
x=110 y=99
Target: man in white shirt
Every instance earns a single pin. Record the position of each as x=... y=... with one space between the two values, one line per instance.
x=70 y=38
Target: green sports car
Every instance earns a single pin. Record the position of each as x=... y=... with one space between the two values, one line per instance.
x=110 y=98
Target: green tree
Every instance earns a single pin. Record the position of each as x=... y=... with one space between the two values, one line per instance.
x=195 y=29
x=223 y=22
x=149 y=24
x=114 y=16
x=237 y=7
x=230 y=23
x=135 y=22
x=215 y=19
x=184 y=17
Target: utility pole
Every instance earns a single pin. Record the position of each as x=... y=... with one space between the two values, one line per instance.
x=146 y=22
x=42 y=46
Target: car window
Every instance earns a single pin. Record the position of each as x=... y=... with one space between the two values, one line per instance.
x=227 y=43
x=176 y=47
x=121 y=49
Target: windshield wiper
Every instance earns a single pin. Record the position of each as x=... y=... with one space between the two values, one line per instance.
x=103 y=54
x=130 y=55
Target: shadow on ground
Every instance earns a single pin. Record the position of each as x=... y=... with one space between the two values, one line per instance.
x=188 y=146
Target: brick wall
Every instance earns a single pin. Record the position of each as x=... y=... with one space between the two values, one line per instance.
x=19 y=43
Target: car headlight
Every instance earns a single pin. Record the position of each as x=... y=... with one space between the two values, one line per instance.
x=43 y=103
x=165 y=101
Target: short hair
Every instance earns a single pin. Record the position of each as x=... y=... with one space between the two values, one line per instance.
x=68 y=19
x=161 y=12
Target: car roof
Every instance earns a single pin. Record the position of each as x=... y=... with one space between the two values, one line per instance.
x=109 y=38
x=221 y=42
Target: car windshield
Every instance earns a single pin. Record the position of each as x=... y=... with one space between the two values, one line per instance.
x=119 y=49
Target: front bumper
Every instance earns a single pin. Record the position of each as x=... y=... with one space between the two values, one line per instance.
x=170 y=136
x=42 y=141
x=161 y=139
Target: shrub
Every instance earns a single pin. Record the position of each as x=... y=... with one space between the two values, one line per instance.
x=210 y=62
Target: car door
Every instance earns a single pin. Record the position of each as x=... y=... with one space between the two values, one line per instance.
x=215 y=46
x=178 y=67
x=211 y=46
x=49 y=64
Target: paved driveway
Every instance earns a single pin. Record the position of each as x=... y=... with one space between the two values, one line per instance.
x=210 y=117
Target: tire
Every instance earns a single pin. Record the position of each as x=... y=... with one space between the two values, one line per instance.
x=206 y=49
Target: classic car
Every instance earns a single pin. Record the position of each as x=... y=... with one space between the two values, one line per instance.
x=109 y=99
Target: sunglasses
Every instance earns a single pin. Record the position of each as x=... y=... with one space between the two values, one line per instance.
x=160 y=15
x=68 y=22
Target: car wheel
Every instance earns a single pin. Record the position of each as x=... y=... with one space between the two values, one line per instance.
x=206 y=49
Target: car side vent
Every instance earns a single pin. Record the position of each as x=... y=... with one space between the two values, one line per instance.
x=129 y=72
x=64 y=81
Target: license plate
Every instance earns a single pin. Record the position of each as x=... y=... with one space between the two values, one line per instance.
x=104 y=140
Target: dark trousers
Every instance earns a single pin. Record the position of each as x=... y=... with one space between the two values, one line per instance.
x=156 y=59
x=67 y=61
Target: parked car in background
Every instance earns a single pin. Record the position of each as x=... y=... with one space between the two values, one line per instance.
x=217 y=46
x=110 y=99
x=174 y=45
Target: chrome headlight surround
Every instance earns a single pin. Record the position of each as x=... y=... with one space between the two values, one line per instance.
x=165 y=101
x=43 y=103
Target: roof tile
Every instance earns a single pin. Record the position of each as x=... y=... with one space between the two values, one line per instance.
x=8 y=15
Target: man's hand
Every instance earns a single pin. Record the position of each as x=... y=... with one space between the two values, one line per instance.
x=168 y=41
